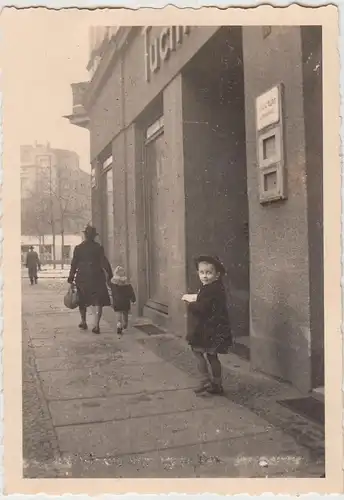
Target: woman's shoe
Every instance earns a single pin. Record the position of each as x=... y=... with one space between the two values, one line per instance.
x=215 y=389
x=96 y=329
x=83 y=325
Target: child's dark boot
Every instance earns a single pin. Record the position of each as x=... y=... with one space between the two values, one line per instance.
x=215 y=388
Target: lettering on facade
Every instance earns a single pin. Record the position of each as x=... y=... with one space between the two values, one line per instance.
x=159 y=48
x=268 y=108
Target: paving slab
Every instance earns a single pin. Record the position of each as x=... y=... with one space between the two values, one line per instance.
x=119 y=407
x=128 y=406
x=78 y=345
x=111 y=379
x=230 y=458
x=158 y=432
x=70 y=361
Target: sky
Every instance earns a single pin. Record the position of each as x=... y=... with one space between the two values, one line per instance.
x=44 y=53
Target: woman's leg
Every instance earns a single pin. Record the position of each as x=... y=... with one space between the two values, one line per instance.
x=203 y=371
x=97 y=317
x=83 y=311
x=216 y=371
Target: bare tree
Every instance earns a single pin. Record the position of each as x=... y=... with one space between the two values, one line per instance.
x=59 y=202
x=70 y=201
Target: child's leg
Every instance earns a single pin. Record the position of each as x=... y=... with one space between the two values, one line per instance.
x=125 y=319
x=216 y=371
x=119 y=317
x=203 y=369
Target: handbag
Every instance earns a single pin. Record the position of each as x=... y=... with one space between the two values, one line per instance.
x=71 y=299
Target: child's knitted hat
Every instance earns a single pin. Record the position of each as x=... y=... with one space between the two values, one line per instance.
x=119 y=275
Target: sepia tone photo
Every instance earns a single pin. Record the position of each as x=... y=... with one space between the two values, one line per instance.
x=171 y=248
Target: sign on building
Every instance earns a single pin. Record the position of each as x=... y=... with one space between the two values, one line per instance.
x=158 y=48
x=268 y=108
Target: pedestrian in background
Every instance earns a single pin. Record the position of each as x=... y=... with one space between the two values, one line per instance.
x=123 y=296
x=87 y=269
x=212 y=333
x=33 y=265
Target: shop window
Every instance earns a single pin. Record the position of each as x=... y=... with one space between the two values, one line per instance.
x=107 y=163
x=93 y=177
x=107 y=230
x=110 y=214
x=155 y=129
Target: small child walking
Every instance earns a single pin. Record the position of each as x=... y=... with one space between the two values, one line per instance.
x=123 y=295
x=212 y=333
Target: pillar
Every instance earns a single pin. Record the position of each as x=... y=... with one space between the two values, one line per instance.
x=173 y=131
x=279 y=265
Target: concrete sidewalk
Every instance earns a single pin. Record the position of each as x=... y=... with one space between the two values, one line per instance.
x=104 y=406
x=48 y=272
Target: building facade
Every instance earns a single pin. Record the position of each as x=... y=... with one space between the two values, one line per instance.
x=55 y=191
x=209 y=139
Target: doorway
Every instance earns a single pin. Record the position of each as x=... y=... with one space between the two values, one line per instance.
x=215 y=173
x=156 y=218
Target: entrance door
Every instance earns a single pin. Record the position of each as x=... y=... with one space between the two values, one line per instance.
x=107 y=209
x=156 y=224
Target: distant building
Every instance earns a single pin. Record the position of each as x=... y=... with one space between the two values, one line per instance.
x=209 y=139
x=54 y=191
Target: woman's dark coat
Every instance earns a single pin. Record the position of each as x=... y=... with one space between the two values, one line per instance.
x=122 y=295
x=87 y=268
x=212 y=330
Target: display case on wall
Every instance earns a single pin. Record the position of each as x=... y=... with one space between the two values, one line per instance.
x=270 y=145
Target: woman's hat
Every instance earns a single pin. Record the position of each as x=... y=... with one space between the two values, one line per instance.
x=211 y=259
x=90 y=231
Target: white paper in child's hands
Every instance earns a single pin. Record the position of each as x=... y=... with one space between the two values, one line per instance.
x=189 y=297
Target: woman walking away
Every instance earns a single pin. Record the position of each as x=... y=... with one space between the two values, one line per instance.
x=90 y=269
x=212 y=334
x=123 y=295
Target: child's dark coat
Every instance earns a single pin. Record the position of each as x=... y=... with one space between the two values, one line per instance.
x=212 y=327
x=122 y=296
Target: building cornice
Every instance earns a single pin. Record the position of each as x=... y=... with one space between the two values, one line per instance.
x=78 y=120
x=115 y=47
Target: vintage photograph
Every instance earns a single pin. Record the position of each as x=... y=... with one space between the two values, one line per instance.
x=172 y=251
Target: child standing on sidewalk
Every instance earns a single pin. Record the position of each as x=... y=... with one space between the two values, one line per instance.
x=123 y=295
x=212 y=333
